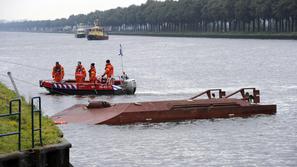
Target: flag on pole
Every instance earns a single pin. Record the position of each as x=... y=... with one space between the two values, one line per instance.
x=121 y=52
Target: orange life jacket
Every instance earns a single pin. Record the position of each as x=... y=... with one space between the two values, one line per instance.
x=92 y=74
x=58 y=73
x=80 y=74
x=109 y=70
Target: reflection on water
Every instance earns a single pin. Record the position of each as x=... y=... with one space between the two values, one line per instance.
x=169 y=68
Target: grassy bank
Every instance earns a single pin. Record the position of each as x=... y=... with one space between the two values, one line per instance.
x=239 y=35
x=50 y=135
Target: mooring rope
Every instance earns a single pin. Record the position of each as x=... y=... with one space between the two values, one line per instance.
x=32 y=67
x=23 y=81
x=20 y=80
x=25 y=65
x=38 y=68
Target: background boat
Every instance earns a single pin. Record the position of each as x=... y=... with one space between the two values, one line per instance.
x=80 y=31
x=97 y=33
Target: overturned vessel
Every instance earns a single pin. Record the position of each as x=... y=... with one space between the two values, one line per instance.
x=217 y=105
x=71 y=87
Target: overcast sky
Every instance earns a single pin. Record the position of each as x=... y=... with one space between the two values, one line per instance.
x=52 y=9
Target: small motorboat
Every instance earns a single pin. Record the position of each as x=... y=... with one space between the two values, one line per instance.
x=216 y=105
x=70 y=87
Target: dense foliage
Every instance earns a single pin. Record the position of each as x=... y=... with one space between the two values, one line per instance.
x=184 y=15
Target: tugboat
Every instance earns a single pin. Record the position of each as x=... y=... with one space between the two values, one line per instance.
x=97 y=33
x=120 y=86
x=80 y=31
x=215 y=105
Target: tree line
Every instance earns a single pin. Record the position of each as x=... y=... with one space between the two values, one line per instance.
x=183 y=16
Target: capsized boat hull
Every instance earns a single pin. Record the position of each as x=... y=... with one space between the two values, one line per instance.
x=162 y=111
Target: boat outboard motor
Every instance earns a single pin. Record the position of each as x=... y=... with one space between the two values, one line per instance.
x=129 y=86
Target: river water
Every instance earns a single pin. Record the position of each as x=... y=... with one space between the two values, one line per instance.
x=168 y=68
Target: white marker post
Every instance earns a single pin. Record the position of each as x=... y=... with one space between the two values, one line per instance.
x=121 y=54
x=13 y=84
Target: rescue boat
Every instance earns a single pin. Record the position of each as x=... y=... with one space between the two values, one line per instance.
x=215 y=105
x=70 y=87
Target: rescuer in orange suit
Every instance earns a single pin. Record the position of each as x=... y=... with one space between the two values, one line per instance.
x=80 y=73
x=108 y=71
x=58 y=72
x=92 y=73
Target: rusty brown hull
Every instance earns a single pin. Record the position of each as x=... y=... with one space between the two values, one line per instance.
x=189 y=114
x=162 y=111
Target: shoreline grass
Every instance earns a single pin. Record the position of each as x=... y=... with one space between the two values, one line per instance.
x=51 y=134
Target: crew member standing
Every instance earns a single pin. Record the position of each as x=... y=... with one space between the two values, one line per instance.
x=108 y=71
x=58 y=72
x=92 y=73
x=80 y=73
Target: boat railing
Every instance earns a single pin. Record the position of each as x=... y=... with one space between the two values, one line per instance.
x=244 y=92
x=211 y=94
